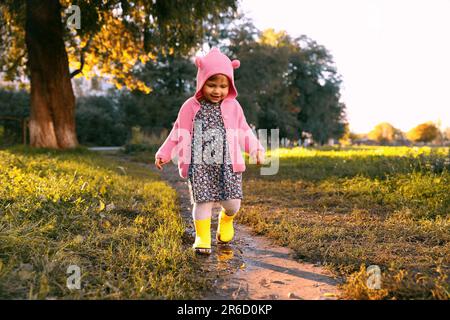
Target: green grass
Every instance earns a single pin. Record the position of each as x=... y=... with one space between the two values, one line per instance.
x=345 y=208
x=355 y=207
x=118 y=222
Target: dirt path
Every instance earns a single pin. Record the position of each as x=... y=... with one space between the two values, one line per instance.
x=252 y=267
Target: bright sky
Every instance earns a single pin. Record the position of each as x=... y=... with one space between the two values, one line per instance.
x=394 y=56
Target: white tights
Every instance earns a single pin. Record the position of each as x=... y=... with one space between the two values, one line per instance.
x=203 y=210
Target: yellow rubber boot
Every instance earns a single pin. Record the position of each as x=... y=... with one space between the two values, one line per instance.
x=225 y=229
x=202 y=242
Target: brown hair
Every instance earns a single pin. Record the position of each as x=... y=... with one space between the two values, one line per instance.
x=214 y=77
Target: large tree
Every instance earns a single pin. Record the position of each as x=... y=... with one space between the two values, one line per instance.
x=115 y=37
x=424 y=132
x=314 y=74
x=262 y=78
x=287 y=83
x=385 y=133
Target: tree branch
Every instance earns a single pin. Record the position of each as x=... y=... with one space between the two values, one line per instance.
x=86 y=47
x=16 y=63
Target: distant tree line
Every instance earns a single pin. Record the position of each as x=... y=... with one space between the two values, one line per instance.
x=109 y=120
x=287 y=83
x=386 y=134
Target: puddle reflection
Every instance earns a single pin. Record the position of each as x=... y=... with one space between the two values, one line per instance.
x=224 y=256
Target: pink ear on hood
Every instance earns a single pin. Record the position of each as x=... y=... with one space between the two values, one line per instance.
x=198 y=61
x=235 y=64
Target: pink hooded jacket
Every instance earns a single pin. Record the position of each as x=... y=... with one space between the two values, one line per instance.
x=239 y=134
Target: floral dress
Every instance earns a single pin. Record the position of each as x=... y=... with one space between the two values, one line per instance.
x=210 y=174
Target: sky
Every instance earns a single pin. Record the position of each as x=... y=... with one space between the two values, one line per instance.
x=394 y=56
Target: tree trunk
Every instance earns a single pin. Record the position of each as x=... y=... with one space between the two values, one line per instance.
x=52 y=116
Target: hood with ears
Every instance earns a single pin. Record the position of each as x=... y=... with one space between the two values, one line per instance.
x=213 y=63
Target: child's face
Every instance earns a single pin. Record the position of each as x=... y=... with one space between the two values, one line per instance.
x=216 y=88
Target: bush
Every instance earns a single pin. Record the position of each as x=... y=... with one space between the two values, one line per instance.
x=100 y=122
x=15 y=104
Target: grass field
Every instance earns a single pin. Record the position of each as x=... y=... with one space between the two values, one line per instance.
x=117 y=222
x=351 y=208
x=346 y=209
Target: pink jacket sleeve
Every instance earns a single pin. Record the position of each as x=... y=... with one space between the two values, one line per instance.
x=165 y=151
x=247 y=139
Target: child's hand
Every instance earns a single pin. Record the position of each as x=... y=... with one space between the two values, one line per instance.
x=259 y=157
x=159 y=163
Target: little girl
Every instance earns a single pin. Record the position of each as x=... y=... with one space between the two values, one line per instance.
x=211 y=131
